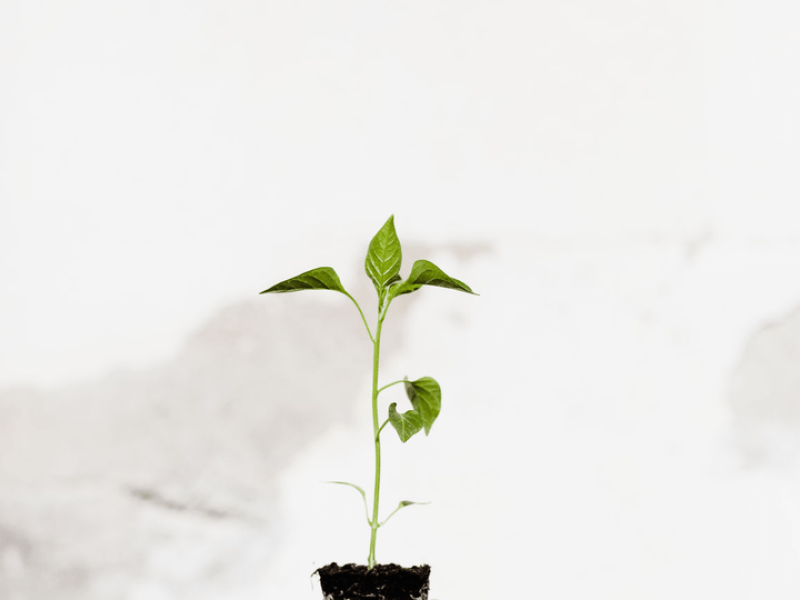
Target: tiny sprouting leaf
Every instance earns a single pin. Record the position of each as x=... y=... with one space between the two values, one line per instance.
x=402 y=504
x=406 y=424
x=384 y=293
x=424 y=272
x=360 y=490
x=352 y=485
x=322 y=278
x=384 y=257
x=426 y=398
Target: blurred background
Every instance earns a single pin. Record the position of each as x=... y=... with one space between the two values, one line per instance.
x=618 y=181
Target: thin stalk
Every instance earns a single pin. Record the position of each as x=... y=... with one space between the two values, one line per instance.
x=388 y=385
x=374 y=524
x=363 y=318
x=385 y=423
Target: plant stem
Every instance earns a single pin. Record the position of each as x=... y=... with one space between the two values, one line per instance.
x=385 y=423
x=388 y=385
x=363 y=318
x=376 y=437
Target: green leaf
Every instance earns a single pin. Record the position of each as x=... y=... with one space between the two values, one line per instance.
x=426 y=401
x=426 y=398
x=406 y=424
x=402 y=504
x=363 y=494
x=352 y=485
x=384 y=257
x=402 y=288
x=385 y=293
x=424 y=272
x=322 y=278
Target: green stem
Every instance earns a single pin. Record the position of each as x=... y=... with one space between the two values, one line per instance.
x=374 y=524
x=369 y=333
x=376 y=429
x=388 y=385
x=385 y=423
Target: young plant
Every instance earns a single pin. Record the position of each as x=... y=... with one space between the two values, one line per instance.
x=383 y=268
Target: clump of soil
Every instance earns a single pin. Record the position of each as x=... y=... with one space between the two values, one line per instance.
x=382 y=582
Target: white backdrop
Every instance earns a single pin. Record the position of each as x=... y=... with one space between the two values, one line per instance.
x=618 y=180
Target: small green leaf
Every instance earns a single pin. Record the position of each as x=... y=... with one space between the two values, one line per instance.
x=322 y=278
x=424 y=272
x=363 y=494
x=402 y=504
x=384 y=294
x=352 y=485
x=406 y=424
x=384 y=257
x=426 y=398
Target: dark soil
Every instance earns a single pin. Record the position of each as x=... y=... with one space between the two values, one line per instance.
x=383 y=582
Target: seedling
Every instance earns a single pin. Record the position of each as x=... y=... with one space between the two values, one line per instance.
x=383 y=268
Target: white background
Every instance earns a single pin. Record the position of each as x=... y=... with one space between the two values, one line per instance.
x=633 y=168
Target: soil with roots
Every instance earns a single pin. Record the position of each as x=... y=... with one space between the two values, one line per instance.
x=382 y=582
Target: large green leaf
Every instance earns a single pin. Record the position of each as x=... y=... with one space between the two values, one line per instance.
x=401 y=288
x=384 y=257
x=322 y=278
x=406 y=424
x=426 y=398
x=424 y=272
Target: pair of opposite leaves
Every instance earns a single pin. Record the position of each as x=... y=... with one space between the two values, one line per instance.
x=382 y=265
